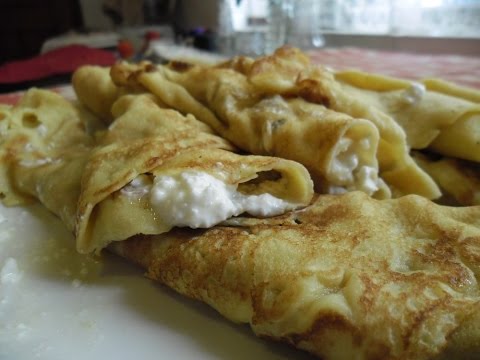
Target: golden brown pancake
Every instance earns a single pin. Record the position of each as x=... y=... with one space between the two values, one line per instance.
x=452 y=89
x=39 y=131
x=458 y=179
x=349 y=277
x=339 y=151
x=95 y=89
x=290 y=71
x=227 y=98
x=435 y=114
x=84 y=179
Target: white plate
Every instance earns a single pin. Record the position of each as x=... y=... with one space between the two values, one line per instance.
x=56 y=304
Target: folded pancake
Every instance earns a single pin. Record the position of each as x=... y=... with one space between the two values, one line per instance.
x=349 y=277
x=452 y=89
x=434 y=115
x=458 y=179
x=151 y=170
x=44 y=134
x=290 y=72
x=96 y=90
x=213 y=94
x=339 y=151
x=154 y=159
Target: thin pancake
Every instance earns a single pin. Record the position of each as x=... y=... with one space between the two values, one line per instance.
x=44 y=133
x=449 y=88
x=457 y=178
x=290 y=71
x=87 y=183
x=213 y=94
x=438 y=116
x=339 y=151
x=96 y=90
x=347 y=278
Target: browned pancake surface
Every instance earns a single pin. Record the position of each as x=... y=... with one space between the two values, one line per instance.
x=349 y=277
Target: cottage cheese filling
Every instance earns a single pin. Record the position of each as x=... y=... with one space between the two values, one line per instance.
x=198 y=200
x=414 y=93
x=348 y=172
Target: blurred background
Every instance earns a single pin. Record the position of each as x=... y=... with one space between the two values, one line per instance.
x=208 y=30
x=30 y=27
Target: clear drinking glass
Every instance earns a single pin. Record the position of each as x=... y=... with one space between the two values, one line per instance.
x=279 y=19
x=269 y=24
x=304 y=28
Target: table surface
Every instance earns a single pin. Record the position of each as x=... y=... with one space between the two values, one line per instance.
x=462 y=70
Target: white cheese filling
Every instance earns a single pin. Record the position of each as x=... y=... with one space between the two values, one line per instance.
x=348 y=172
x=198 y=200
x=414 y=93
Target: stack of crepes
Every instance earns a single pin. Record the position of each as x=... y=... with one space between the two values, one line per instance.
x=441 y=122
x=116 y=183
x=352 y=130
x=204 y=176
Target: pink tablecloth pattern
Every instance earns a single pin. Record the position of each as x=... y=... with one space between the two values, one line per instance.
x=462 y=70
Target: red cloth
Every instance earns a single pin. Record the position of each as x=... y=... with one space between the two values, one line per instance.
x=56 y=62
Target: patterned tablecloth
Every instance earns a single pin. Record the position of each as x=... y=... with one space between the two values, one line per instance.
x=458 y=69
x=462 y=70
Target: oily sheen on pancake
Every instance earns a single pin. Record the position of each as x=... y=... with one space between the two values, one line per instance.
x=349 y=277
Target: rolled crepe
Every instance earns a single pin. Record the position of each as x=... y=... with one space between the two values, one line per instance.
x=434 y=115
x=339 y=151
x=288 y=71
x=349 y=277
x=152 y=169
x=452 y=89
x=458 y=179
x=96 y=90
x=44 y=133
x=239 y=83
